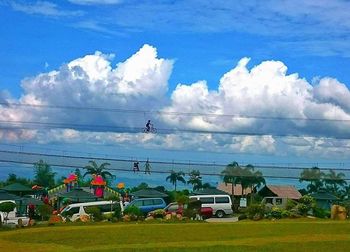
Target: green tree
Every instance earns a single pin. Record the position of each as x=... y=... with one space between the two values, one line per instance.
x=314 y=176
x=195 y=180
x=44 y=176
x=232 y=175
x=333 y=181
x=7 y=207
x=93 y=168
x=174 y=177
x=13 y=178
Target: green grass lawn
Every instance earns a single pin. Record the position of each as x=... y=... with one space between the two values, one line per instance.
x=283 y=235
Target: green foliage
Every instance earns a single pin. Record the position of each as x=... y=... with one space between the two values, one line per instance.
x=141 y=186
x=181 y=198
x=13 y=178
x=95 y=212
x=242 y=217
x=195 y=179
x=94 y=168
x=133 y=211
x=44 y=176
x=303 y=209
x=256 y=211
x=321 y=213
x=307 y=200
x=193 y=208
x=276 y=213
x=45 y=211
x=174 y=177
x=290 y=204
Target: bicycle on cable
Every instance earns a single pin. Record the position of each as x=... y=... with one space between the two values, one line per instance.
x=149 y=128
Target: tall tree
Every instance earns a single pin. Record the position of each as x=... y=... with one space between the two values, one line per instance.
x=333 y=181
x=44 y=176
x=195 y=179
x=13 y=178
x=232 y=175
x=93 y=168
x=314 y=176
x=174 y=177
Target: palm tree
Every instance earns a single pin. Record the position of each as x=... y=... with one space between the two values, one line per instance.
x=314 y=177
x=176 y=176
x=93 y=168
x=232 y=175
x=332 y=180
x=195 y=179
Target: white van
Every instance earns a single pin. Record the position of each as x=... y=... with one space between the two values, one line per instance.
x=12 y=218
x=221 y=204
x=74 y=211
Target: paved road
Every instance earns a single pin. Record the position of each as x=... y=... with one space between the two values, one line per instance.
x=228 y=219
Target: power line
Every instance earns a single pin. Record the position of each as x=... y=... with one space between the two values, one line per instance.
x=163 y=162
x=110 y=128
x=65 y=166
x=289 y=164
x=138 y=111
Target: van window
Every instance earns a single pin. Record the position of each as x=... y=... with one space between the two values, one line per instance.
x=278 y=201
x=138 y=203
x=157 y=201
x=148 y=202
x=73 y=210
x=222 y=200
x=207 y=200
x=105 y=208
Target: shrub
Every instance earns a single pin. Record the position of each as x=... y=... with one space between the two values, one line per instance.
x=290 y=204
x=95 y=212
x=286 y=214
x=302 y=209
x=117 y=213
x=276 y=213
x=256 y=211
x=54 y=219
x=159 y=213
x=133 y=212
x=45 y=211
x=307 y=200
x=321 y=213
x=242 y=217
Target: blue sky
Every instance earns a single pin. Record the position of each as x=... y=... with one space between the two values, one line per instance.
x=203 y=45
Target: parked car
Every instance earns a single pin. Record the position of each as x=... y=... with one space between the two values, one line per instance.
x=221 y=204
x=147 y=205
x=74 y=211
x=206 y=212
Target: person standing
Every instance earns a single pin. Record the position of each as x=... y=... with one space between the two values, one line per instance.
x=147 y=167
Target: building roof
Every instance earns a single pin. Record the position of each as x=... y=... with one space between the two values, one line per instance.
x=322 y=195
x=237 y=189
x=148 y=193
x=283 y=191
x=8 y=196
x=78 y=194
x=17 y=187
x=209 y=191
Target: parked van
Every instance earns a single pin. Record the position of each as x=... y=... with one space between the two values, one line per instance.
x=12 y=217
x=147 y=205
x=221 y=204
x=74 y=211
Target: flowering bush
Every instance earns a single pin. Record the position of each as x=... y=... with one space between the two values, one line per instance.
x=54 y=219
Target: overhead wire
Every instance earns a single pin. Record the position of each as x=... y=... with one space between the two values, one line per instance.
x=65 y=166
x=125 y=129
x=115 y=110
